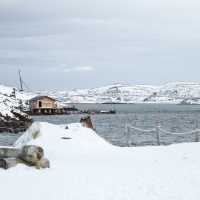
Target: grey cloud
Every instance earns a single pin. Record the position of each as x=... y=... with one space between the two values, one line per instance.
x=135 y=41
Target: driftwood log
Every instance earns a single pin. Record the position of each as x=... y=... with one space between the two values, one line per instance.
x=7 y=163
x=30 y=155
x=34 y=156
x=9 y=152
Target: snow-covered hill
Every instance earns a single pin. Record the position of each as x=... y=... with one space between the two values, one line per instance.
x=173 y=93
x=109 y=94
x=11 y=118
x=6 y=90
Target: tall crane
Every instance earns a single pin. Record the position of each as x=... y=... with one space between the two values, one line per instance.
x=20 y=81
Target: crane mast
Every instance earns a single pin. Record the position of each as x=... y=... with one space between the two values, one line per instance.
x=21 y=82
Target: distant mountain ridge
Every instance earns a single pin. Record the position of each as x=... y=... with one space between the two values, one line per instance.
x=170 y=93
x=173 y=93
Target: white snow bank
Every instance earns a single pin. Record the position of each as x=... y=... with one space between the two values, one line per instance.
x=86 y=167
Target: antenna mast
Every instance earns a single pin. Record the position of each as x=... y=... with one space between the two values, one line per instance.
x=21 y=82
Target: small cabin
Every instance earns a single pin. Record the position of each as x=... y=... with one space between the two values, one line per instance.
x=44 y=105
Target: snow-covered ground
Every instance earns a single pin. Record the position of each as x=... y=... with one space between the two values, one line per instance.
x=88 y=168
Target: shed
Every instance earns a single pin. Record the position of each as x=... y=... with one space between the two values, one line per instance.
x=43 y=105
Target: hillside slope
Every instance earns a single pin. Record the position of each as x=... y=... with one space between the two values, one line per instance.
x=173 y=93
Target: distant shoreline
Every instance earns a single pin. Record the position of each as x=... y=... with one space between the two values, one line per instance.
x=156 y=103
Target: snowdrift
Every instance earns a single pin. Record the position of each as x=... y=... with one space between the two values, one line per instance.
x=84 y=166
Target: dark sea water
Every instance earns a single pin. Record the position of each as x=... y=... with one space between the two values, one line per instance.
x=173 y=118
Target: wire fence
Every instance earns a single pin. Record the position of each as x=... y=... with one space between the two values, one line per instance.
x=157 y=134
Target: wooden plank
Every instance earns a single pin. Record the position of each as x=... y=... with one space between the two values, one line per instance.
x=6 y=152
x=30 y=155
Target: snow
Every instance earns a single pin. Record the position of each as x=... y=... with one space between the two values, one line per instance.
x=87 y=167
x=170 y=93
x=7 y=104
x=7 y=90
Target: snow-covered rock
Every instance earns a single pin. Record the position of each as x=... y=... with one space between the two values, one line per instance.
x=87 y=167
x=11 y=118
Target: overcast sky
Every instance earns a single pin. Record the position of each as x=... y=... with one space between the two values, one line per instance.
x=64 y=44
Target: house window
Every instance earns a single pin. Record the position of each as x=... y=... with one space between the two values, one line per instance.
x=40 y=104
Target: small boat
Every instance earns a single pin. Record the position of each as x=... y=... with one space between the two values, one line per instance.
x=94 y=112
x=108 y=112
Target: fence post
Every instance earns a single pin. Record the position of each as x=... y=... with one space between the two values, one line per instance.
x=158 y=135
x=126 y=130
x=197 y=133
x=135 y=121
x=129 y=136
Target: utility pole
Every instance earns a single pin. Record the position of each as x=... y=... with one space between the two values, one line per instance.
x=21 y=82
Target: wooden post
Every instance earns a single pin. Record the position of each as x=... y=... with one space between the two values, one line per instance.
x=197 y=133
x=129 y=136
x=197 y=136
x=158 y=135
x=126 y=130
x=135 y=121
x=87 y=122
x=126 y=134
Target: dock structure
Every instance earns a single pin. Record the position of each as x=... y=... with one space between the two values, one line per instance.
x=44 y=105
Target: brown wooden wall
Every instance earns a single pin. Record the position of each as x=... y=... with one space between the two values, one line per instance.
x=45 y=102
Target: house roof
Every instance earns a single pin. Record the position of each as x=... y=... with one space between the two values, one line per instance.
x=40 y=97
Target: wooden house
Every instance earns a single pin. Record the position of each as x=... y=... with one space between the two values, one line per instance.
x=41 y=105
